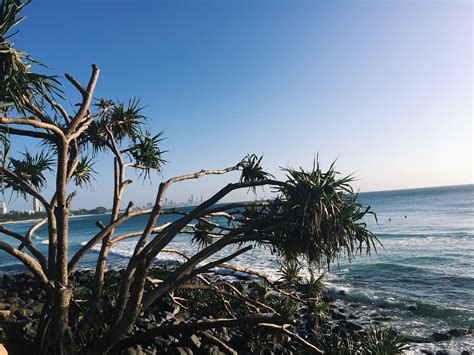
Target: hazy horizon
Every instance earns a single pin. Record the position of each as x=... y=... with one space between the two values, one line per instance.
x=384 y=87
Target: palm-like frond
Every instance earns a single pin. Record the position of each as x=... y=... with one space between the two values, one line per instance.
x=290 y=272
x=83 y=175
x=126 y=121
x=30 y=169
x=146 y=153
x=18 y=84
x=96 y=136
x=202 y=236
x=252 y=170
x=324 y=217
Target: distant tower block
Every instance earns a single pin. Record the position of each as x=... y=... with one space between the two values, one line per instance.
x=36 y=205
x=3 y=208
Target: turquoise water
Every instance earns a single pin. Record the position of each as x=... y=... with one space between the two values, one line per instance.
x=422 y=277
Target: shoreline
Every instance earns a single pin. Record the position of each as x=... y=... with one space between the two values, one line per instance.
x=39 y=219
x=351 y=317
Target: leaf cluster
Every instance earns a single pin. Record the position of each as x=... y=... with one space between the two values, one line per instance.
x=252 y=170
x=324 y=217
x=29 y=168
x=19 y=86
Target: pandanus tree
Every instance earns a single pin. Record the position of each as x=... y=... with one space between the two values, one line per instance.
x=313 y=217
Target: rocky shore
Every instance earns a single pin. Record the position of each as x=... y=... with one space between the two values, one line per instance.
x=21 y=301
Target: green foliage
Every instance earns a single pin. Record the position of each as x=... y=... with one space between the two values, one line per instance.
x=251 y=169
x=30 y=169
x=332 y=343
x=315 y=284
x=285 y=306
x=378 y=341
x=202 y=236
x=83 y=175
x=289 y=272
x=125 y=121
x=323 y=217
x=120 y=124
x=18 y=84
x=146 y=152
x=381 y=341
x=96 y=136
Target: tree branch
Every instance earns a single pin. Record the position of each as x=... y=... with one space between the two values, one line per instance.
x=86 y=99
x=145 y=336
x=27 y=260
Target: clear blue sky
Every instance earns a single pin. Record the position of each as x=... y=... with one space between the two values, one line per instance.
x=385 y=86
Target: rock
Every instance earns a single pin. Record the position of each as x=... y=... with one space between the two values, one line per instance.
x=20 y=313
x=29 y=331
x=426 y=351
x=183 y=351
x=195 y=340
x=213 y=350
x=465 y=352
x=414 y=339
x=458 y=332
x=134 y=350
x=176 y=310
x=440 y=336
x=338 y=316
x=412 y=308
x=353 y=327
x=442 y=352
x=12 y=294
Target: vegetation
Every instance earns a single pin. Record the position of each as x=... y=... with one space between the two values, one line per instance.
x=314 y=218
x=21 y=216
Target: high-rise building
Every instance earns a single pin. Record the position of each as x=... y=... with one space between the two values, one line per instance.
x=3 y=208
x=36 y=205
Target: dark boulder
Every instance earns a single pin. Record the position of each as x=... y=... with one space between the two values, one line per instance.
x=436 y=336
x=458 y=332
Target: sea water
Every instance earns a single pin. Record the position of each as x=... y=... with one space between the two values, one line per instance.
x=421 y=279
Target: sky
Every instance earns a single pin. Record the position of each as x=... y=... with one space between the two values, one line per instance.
x=384 y=87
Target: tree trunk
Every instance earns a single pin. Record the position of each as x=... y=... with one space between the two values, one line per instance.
x=61 y=293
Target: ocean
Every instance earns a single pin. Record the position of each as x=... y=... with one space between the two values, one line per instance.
x=421 y=280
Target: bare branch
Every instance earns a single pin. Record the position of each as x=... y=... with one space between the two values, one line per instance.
x=137 y=233
x=218 y=342
x=141 y=337
x=284 y=328
x=29 y=245
x=98 y=237
x=33 y=123
x=63 y=112
x=27 y=260
x=26 y=133
x=86 y=99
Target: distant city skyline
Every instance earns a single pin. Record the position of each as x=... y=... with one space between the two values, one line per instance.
x=384 y=87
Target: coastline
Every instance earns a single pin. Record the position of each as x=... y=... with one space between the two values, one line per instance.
x=24 y=298
x=39 y=219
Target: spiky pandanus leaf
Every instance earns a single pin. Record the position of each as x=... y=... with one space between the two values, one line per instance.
x=126 y=121
x=83 y=175
x=323 y=218
x=30 y=168
x=252 y=170
x=202 y=236
x=96 y=136
x=146 y=153
x=18 y=84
